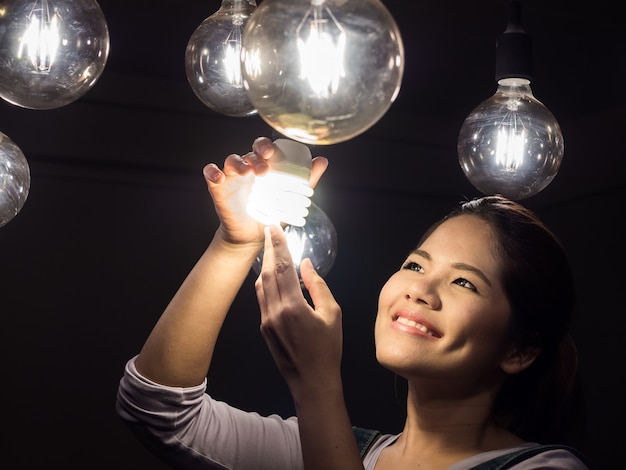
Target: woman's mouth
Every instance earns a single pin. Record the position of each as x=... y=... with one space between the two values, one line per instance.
x=410 y=323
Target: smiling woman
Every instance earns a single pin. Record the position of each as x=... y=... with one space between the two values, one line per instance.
x=450 y=286
x=476 y=320
x=505 y=277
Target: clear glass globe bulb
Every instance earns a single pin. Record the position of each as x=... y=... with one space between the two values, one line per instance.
x=212 y=59
x=14 y=179
x=511 y=143
x=53 y=51
x=322 y=71
x=316 y=240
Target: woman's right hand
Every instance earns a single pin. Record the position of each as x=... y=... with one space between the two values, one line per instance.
x=230 y=189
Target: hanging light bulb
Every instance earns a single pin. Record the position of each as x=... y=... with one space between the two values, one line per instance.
x=14 y=179
x=322 y=71
x=53 y=51
x=511 y=143
x=282 y=196
x=212 y=59
x=316 y=240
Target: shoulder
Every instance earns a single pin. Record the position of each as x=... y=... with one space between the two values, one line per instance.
x=371 y=442
x=552 y=457
x=527 y=456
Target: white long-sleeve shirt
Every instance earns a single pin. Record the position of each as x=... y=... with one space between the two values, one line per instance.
x=188 y=429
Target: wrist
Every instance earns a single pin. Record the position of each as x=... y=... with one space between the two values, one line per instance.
x=241 y=249
x=325 y=392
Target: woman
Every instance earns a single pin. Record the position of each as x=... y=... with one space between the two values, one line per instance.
x=475 y=320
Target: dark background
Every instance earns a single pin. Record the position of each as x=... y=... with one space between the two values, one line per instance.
x=118 y=213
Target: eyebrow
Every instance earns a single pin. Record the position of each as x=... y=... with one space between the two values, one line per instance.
x=461 y=266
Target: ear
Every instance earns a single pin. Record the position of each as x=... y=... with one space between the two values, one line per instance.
x=518 y=358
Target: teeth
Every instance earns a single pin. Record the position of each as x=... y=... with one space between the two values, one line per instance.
x=422 y=328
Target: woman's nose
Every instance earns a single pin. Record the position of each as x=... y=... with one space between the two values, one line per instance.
x=424 y=291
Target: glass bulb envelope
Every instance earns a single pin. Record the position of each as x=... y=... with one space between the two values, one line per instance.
x=322 y=71
x=53 y=51
x=511 y=143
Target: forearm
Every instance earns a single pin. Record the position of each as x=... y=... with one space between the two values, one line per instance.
x=179 y=350
x=326 y=434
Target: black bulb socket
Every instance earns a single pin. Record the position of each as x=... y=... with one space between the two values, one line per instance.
x=514 y=48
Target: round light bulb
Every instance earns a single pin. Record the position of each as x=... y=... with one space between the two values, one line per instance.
x=212 y=59
x=316 y=240
x=282 y=194
x=322 y=71
x=511 y=143
x=53 y=51
x=14 y=179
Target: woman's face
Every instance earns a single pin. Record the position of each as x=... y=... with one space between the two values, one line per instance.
x=444 y=314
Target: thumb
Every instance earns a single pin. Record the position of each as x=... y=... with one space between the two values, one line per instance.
x=321 y=295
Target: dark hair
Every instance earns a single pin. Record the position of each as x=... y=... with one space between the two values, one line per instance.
x=543 y=403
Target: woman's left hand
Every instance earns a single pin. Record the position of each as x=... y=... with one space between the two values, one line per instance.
x=305 y=341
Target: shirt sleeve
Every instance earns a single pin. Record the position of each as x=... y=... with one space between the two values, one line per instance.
x=187 y=428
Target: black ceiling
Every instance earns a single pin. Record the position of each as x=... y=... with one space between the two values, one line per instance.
x=578 y=66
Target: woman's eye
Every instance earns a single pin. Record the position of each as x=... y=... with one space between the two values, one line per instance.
x=413 y=266
x=465 y=283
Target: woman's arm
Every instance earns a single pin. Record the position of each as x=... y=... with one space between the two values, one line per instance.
x=180 y=348
x=186 y=428
x=306 y=344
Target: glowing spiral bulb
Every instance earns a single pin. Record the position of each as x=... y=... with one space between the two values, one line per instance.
x=282 y=195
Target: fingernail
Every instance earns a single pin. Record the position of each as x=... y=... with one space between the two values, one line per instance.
x=264 y=149
x=211 y=175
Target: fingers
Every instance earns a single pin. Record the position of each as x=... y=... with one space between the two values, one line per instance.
x=212 y=174
x=260 y=295
x=238 y=165
x=263 y=147
x=265 y=284
x=318 y=167
x=307 y=272
x=278 y=273
x=254 y=161
x=304 y=340
x=262 y=150
x=278 y=283
x=321 y=296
